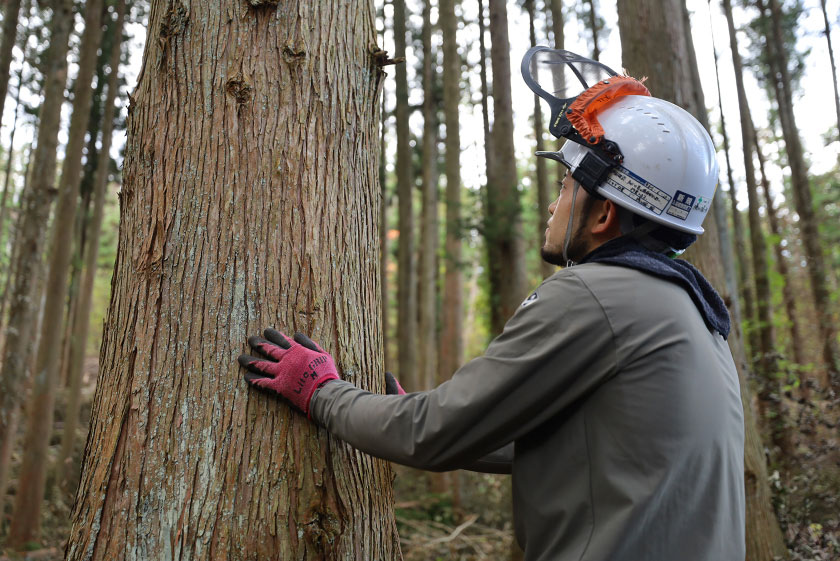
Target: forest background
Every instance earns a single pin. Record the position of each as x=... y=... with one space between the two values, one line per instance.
x=786 y=312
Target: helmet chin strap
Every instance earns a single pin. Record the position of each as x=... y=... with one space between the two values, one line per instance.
x=569 y=262
x=640 y=232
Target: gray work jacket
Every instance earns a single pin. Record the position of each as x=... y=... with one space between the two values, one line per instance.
x=624 y=414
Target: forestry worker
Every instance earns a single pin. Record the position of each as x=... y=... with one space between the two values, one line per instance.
x=611 y=395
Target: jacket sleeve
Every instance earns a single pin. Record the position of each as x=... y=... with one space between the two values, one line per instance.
x=555 y=350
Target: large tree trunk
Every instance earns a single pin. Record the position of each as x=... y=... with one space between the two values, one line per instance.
x=543 y=196
x=427 y=291
x=249 y=199
x=66 y=472
x=801 y=187
x=7 y=44
x=502 y=225
x=29 y=238
x=383 y=239
x=406 y=271
x=30 y=492
x=656 y=42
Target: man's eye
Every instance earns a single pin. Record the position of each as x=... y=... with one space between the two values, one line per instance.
x=561 y=186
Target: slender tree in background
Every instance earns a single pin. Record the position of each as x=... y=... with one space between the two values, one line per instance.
x=556 y=10
x=758 y=245
x=383 y=237
x=485 y=98
x=833 y=68
x=594 y=28
x=801 y=188
x=406 y=271
x=543 y=196
x=7 y=183
x=66 y=473
x=7 y=44
x=32 y=481
x=736 y=277
x=502 y=225
x=249 y=200
x=788 y=292
x=427 y=291
x=656 y=42
x=29 y=239
x=451 y=338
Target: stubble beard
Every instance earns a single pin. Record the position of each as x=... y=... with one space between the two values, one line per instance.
x=578 y=248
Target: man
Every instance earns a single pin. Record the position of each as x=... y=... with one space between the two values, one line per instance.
x=611 y=394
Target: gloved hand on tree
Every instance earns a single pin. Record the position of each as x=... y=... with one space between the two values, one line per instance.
x=293 y=369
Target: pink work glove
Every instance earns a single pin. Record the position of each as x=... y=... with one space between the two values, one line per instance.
x=392 y=385
x=293 y=370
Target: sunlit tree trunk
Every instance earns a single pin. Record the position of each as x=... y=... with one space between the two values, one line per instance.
x=249 y=200
x=656 y=42
x=502 y=225
x=801 y=188
x=407 y=268
x=66 y=473
x=32 y=481
x=29 y=239
x=427 y=358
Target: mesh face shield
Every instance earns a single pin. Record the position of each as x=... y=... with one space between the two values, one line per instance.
x=576 y=88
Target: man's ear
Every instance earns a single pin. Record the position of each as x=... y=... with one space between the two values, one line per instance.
x=606 y=222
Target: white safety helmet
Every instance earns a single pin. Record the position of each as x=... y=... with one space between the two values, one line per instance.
x=645 y=154
x=669 y=173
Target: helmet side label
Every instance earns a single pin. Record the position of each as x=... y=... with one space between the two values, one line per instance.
x=637 y=189
x=681 y=205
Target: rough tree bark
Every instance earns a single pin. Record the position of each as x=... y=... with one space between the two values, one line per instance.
x=656 y=42
x=427 y=358
x=78 y=339
x=543 y=196
x=250 y=199
x=502 y=224
x=406 y=267
x=801 y=187
x=32 y=481
x=29 y=237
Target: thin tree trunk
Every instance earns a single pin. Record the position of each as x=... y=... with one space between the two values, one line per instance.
x=32 y=482
x=543 y=197
x=427 y=292
x=802 y=198
x=407 y=271
x=7 y=44
x=593 y=27
x=78 y=341
x=833 y=68
x=452 y=311
x=29 y=240
x=757 y=241
x=485 y=100
x=742 y=280
x=259 y=210
x=788 y=295
x=383 y=241
x=4 y=210
x=502 y=225
x=452 y=339
x=656 y=42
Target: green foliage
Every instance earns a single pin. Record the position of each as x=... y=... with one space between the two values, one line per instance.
x=760 y=28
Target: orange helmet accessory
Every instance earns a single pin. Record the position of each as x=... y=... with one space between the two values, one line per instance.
x=583 y=112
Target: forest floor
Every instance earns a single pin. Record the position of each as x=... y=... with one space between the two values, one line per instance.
x=477 y=525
